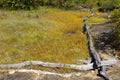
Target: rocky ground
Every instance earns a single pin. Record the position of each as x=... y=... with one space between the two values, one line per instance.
x=101 y=35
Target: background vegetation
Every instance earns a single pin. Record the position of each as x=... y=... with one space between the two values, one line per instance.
x=67 y=4
x=116 y=19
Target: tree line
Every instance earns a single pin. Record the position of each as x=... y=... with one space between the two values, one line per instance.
x=67 y=4
x=32 y=4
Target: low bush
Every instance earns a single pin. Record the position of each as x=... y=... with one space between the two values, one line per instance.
x=32 y=4
x=116 y=19
x=18 y=4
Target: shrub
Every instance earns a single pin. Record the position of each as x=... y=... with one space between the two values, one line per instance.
x=108 y=5
x=117 y=35
x=31 y=4
x=18 y=4
x=116 y=19
x=115 y=15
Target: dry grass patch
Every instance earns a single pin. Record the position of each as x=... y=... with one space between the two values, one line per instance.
x=46 y=34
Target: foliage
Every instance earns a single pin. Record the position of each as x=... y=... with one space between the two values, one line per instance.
x=115 y=15
x=31 y=4
x=18 y=4
x=67 y=4
x=116 y=19
x=108 y=5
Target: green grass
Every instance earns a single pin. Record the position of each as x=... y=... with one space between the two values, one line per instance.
x=45 y=34
x=97 y=20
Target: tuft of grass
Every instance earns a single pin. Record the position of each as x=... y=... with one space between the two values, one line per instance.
x=46 y=34
x=99 y=17
x=97 y=20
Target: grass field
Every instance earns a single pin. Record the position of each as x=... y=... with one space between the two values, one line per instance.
x=45 y=34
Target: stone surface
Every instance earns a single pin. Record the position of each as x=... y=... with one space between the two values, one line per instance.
x=18 y=76
x=102 y=33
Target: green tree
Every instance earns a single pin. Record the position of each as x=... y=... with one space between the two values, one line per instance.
x=18 y=4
